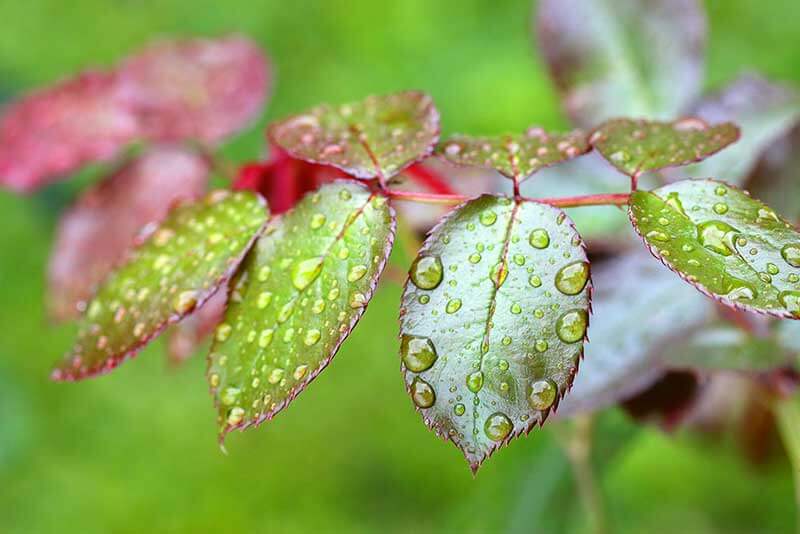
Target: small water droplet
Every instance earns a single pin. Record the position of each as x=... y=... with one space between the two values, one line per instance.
x=772 y=269
x=344 y=194
x=356 y=273
x=459 y=409
x=223 y=332
x=418 y=353
x=720 y=190
x=720 y=208
x=453 y=306
x=264 y=299
x=791 y=301
x=426 y=272
x=499 y=273
x=539 y=238
x=535 y=281
x=498 y=426
x=263 y=273
x=657 y=235
x=306 y=271
x=318 y=306
x=543 y=394
x=317 y=220
x=540 y=345
x=488 y=218
x=286 y=311
x=185 y=302
x=300 y=371
x=516 y=309
x=422 y=393
x=275 y=375
x=475 y=381
x=265 y=338
x=230 y=395
x=474 y=258
x=358 y=300
x=235 y=416
x=572 y=278
x=312 y=336
x=571 y=326
x=424 y=299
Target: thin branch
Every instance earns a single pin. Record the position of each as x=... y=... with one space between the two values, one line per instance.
x=609 y=199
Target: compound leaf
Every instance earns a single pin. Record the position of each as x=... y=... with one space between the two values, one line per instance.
x=300 y=292
x=515 y=156
x=729 y=246
x=180 y=265
x=493 y=320
x=377 y=137
x=637 y=146
x=641 y=58
x=640 y=310
x=94 y=234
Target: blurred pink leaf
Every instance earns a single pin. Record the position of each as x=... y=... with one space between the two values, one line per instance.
x=201 y=89
x=57 y=130
x=186 y=336
x=94 y=234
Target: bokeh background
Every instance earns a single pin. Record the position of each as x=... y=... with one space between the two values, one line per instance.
x=136 y=451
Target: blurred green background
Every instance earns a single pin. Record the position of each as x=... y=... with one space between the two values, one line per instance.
x=136 y=451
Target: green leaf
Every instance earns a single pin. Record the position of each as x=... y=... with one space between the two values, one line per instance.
x=375 y=138
x=763 y=110
x=729 y=246
x=640 y=309
x=493 y=321
x=641 y=58
x=720 y=348
x=637 y=146
x=182 y=263
x=515 y=156
x=300 y=292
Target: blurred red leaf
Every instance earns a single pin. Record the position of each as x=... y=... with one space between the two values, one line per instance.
x=94 y=234
x=203 y=89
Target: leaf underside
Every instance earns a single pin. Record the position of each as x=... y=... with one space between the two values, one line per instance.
x=374 y=138
x=729 y=246
x=94 y=234
x=480 y=319
x=181 y=265
x=515 y=156
x=636 y=146
x=300 y=292
x=641 y=58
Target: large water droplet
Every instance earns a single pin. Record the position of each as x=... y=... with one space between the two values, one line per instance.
x=453 y=306
x=571 y=326
x=498 y=426
x=543 y=394
x=312 y=336
x=791 y=254
x=459 y=409
x=539 y=238
x=426 y=272
x=717 y=236
x=720 y=208
x=791 y=301
x=306 y=271
x=657 y=235
x=235 y=416
x=356 y=273
x=572 y=278
x=418 y=353
x=422 y=393
x=475 y=381
x=488 y=218
x=499 y=273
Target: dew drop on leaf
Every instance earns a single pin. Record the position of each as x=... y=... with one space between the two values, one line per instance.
x=422 y=393
x=572 y=278
x=539 y=238
x=475 y=381
x=791 y=254
x=543 y=394
x=418 y=353
x=571 y=326
x=306 y=271
x=498 y=426
x=426 y=272
x=717 y=236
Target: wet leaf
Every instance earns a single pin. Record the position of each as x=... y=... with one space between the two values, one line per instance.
x=94 y=234
x=203 y=89
x=375 y=138
x=641 y=58
x=55 y=131
x=493 y=320
x=729 y=246
x=724 y=348
x=640 y=309
x=299 y=293
x=763 y=110
x=185 y=337
x=515 y=156
x=179 y=266
x=637 y=146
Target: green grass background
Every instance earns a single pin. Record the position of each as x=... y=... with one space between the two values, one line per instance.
x=136 y=451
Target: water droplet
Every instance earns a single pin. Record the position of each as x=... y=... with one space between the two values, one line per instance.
x=571 y=326
x=299 y=372
x=519 y=259
x=539 y=238
x=506 y=340
x=422 y=393
x=333 y=294
x=453 y=306
x=535 y=281
x=264 y=299
x=230 y=395
x=741 y=291
x=223 y=332
x=344 y=194
x=503 y=365
x=459 y=409
x=358 y=300
x=720 y=190
x=717 y=236
x=185 y=302
x=286 y=311
x=516 y=309
x=474 y=258
x=791 y=301
x=424 y=299
x=213 y=380
x=720 y=208
x=312 y=336
x=426 y=272
x=475 y=381
x=263 y=273
x=657 y=235
x=318 y=306
x=540 y=345
x=791 y=254
x=344 y=253
x=674 y=202
x=235 y=416
x=572 y=278
x=317 y=220
x=306 y=271
x=499 y=273
x=265 y=338
x=418 y=353
x=498 y=426
x=543 y=394
x=772 y=269
x=356 y=273
x=488 y=218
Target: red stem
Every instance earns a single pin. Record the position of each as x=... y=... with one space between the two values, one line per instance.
x=610 y=199
x=429 y=179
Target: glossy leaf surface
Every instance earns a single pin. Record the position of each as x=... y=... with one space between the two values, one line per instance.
x=636 y=146
x=641 y=58
x=94 y=234
x=181 y=264
x=515 y=156
x=640 y=310
x=299 y=293
x=493 y=320
x=729 y=246
x=375 y=138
